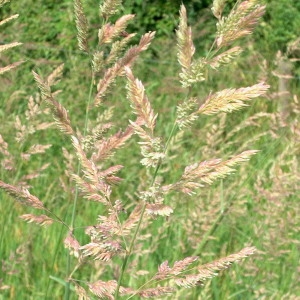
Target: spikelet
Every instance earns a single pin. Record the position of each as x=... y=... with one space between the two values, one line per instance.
x=240 y=22
x=117 y=47
x=217 y=8
x=2 y=2
x=225 y=58
x=192 y=71
x=158 y=210
x=82 y=26
x=185 y=113
x=139 y=101
x=103 y=289
x=22 y=195
x=231 y=99
x=109 y=8
x=8 y=46
x=165 y=272
x=81 y=292
x=156 y=292
x=72 y=244
x=60 y=114
x=105 y=147
x=109 y=32
x=42 y=220
x=118 y=68
x=198 y=174
x=101 y=251
x=5 y=47
x=8 y=162
x=186 y=48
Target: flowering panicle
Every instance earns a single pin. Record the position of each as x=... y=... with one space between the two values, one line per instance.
x=192 y=71
x=42 y=220
x=165 y=272
x=109 y=8
x=151 y=147
x=82 y=26
x=225 y=58
x=240 y=22
x=93 y=185
x=117 y=69
x=60 y=114
x=186 y=48
x=185 y=113
x=22 y=195
x=196 y=175
x=104 y=148
x=109 y=32
x=117 y=48
x=229 y=100
x=72 y=244
x=10 y=45
x=217 y=8
x=7 y=162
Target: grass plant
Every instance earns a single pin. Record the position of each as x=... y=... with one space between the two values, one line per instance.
x=145 y=208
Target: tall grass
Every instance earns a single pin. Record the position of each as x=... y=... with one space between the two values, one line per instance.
x=130 y=196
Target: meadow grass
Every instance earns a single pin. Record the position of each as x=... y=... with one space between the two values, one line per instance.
x=256 y=206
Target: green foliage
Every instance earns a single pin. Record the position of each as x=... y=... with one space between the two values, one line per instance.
x=281 y=25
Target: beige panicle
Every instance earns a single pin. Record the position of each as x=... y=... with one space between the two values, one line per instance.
x=105 y=148
x=72 y=244
x=6 y=47
x=109 y=8
x=229 y=100
x=22 y=195
x=117 y=48
x=81 y=26
x=240 y=22
x=106 y=289
x=192 y=71
x=109 y=32
x=118 y=68
x=218 y=7
x=139 y=101
x=81 y=292
x=206 y=172
x=42 y=220
x=166 y=272
x=186 y=48
x=225 y=58
x=60 y=114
